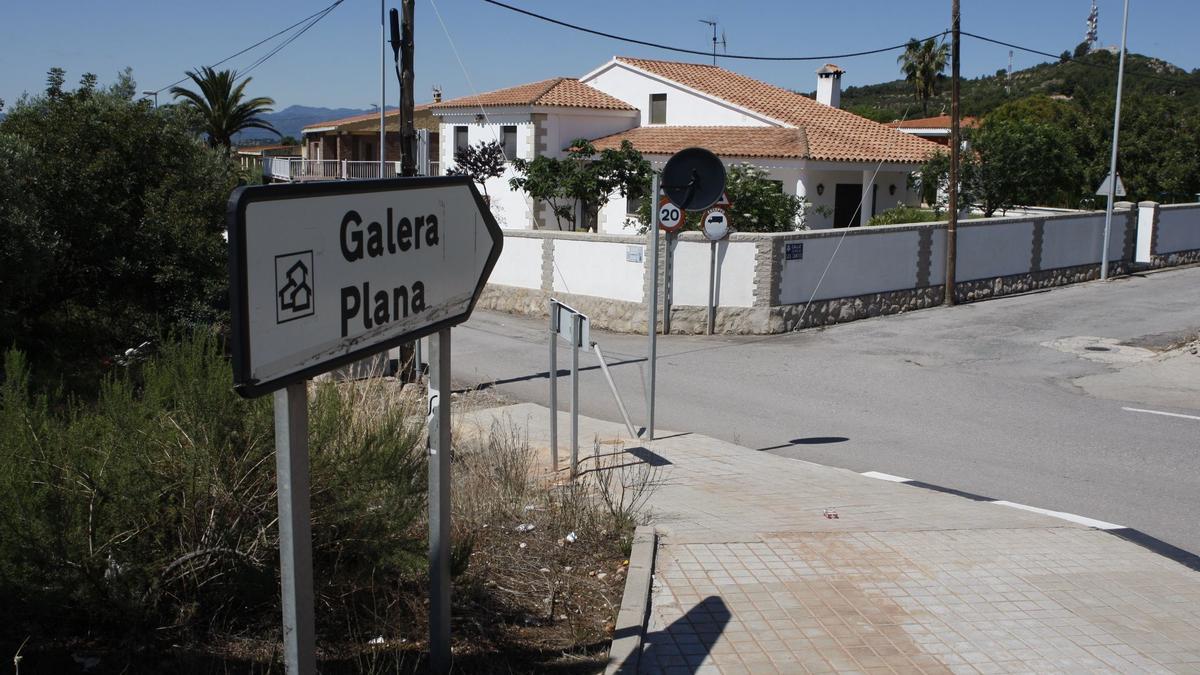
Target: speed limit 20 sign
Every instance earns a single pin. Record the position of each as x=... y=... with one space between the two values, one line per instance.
x=670 y=217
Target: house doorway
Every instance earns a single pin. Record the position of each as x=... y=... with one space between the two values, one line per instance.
x=846 y=198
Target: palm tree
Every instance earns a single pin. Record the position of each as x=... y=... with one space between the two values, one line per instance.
x=221 y=106
x=922 y=64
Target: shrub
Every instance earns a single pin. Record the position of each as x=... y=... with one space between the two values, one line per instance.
x=111 y=212
x=155 y=506
x=901 y=214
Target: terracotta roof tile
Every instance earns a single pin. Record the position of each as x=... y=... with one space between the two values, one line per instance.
x=832 y=133
x=781 y=142
x=938 y=122
x=562 y=92
x=364 y=117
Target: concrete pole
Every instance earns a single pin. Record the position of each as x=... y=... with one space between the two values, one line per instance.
x=868 y=197
x=1112 y=165
x=955 y=152
x=382 y=85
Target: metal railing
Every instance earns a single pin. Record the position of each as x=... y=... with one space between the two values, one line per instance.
x=297 y=169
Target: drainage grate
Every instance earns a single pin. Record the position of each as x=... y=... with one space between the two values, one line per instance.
x=1098 y=349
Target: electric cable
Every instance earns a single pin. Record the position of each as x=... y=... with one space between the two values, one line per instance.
x=256 y=44
x=682 y=50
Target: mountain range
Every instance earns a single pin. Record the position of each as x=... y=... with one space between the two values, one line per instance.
x=293 y=118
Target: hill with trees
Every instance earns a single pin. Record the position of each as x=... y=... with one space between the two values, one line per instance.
x=1089 y=80
x=1046 y=131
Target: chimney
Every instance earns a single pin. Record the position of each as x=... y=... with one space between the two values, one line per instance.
x=437 y=94
x=829 y=85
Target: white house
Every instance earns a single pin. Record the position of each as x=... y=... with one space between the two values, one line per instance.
x=833 y=158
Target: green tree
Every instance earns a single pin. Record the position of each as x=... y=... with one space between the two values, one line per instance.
x=583 y=180
x=1081 y=132
x=1012 y=163
x=922 y=64
x=112 y=215
x=222 y=105
x=1157 y=158
x=759 y=204
x=479 y=162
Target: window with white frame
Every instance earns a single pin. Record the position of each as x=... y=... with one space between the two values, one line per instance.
x=460 y=138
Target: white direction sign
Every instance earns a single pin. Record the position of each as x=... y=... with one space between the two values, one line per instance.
x=1107 y=184
x=327 y=273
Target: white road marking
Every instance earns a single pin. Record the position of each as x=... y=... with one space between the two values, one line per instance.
x=885 y=476
x=1090 y=522
x=1159 y=412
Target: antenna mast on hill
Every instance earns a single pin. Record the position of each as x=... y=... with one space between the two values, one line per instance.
x=713 y=24
x=1091 y=36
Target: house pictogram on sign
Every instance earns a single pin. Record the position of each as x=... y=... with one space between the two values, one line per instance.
x=293 y=283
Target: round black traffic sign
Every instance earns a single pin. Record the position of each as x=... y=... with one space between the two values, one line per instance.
x=693 y=179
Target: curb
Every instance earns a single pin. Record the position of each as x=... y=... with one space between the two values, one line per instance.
x=1134 y=536
x=626 y=649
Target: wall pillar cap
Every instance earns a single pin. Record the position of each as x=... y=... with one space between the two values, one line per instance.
x=1147 y=204
x=1122 y=205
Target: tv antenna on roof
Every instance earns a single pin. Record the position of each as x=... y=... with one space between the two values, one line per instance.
x=713 y=24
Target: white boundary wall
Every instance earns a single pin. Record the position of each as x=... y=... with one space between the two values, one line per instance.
x=995 y=256
x=597 y=268
x=1178 y=228
x=735 y=273
x=867 y=261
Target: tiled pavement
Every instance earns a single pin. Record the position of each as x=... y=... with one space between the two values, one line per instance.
x=753 y=576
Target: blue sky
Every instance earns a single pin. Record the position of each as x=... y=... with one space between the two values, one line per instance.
x=336 y=64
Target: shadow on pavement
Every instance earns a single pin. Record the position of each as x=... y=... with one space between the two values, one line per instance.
x=811 y=440
x=682 y=646
x=543 y=375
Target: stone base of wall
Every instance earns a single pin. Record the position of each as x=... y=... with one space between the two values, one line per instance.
x=1176 y=258
x=615 y=315
x=630 y=317
x=982 y=289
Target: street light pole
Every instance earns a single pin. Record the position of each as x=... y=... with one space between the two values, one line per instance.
x=154 y=94
x=382 y=86
x=1112 y=165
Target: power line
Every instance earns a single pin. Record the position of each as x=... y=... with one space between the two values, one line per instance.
x=700 y=53
x=291 y=39
x=256 y=44
x=1079 y=61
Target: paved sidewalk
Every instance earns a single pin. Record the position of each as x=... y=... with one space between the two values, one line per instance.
x=768 y=564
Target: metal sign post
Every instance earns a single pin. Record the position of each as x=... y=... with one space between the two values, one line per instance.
x=712 y=286
x=325 y=274
x=576 y=334
x=554 y=384
x=652 y=327
x=715 y=226
x=668 y=281
x=571 y=325
x=295 y=533
x=439 y=502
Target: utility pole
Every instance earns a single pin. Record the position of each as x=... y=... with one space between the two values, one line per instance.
x=955 y=151
x=382 y=87
x=408 y=135
x=1112 y=165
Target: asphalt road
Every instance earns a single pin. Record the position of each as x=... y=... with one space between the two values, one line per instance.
x=968 y=397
